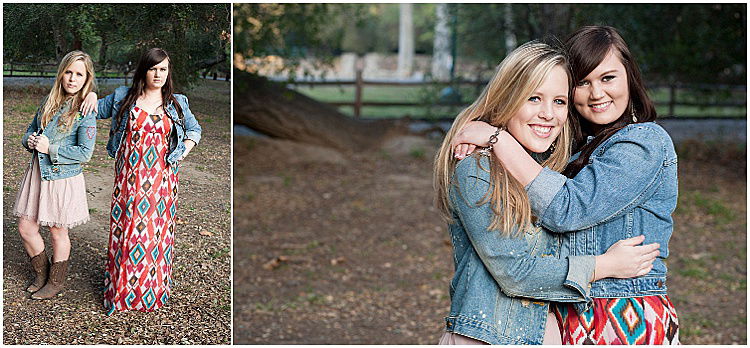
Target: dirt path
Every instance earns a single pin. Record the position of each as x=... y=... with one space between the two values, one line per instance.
x=350 y=249
x=198 y=310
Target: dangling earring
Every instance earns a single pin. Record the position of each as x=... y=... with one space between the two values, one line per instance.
x=552 y=147
x=632 y=112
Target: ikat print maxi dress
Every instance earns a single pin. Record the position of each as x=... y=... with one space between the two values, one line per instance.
x=142 y=219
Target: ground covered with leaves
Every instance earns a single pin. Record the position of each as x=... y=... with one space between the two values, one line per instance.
x=199 y=308
x=349 y=249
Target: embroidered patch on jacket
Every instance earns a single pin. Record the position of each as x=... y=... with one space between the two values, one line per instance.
x=91 y=132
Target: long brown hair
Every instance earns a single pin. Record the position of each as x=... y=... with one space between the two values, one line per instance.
x=57 y=97
x=587 y=47
x=149 y=59
x=516 y=78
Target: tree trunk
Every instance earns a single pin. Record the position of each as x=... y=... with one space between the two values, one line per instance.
x=103 y=53
x=510 y=36
x=405 y=40
x=441 y=49
x=274 y=110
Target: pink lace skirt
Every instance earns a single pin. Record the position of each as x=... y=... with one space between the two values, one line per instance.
x=57 y=203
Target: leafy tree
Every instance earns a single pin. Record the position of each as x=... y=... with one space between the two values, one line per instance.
x=196 y=35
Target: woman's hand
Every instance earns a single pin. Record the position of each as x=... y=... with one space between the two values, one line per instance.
x=31 y=141
x=42 y=143
x=475 y=133
x=627 y=259
x=188 y=146
x=89 y=104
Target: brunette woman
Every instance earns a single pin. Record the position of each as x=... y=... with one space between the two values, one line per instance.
x=53 y=190
x=507 y=268
x=621 y=183
x=152 y=130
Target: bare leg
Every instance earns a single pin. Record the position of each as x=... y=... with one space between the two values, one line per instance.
x=32 y=240
x=552 y=331
x=60 y=244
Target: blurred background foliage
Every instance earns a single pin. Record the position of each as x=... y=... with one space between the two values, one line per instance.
x=197 y=36
x=689 y=43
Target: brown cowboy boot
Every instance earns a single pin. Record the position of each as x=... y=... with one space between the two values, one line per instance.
x=55 y=283
x=40 y=264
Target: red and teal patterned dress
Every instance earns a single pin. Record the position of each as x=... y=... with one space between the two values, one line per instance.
x=648 y=320
x=144 y=202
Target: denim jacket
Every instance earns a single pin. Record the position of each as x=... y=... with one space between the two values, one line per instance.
x=501 y=284
x=109 y=106
x=628 y=188
x=67 y=149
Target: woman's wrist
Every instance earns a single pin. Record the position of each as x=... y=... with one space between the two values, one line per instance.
x=601 y=267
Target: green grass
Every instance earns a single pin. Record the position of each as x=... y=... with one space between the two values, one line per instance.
x=220 y=253
x=713 y=207
x=26 y=108
x=429 y=94
x=417 y=153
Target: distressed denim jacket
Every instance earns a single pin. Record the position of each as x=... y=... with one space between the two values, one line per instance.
x=109 y=106
x=628 y=188
x=501 y=284
x=67 y=149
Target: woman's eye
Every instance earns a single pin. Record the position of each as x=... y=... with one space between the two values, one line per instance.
x=582 y=83
x=535 y=99
x=560 y=102
x=608 y=78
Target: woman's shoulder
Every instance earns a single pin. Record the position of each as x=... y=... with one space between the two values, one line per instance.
x=475 y=166
x=122 y=90
x=650 y=137
x=181 y=98
x=642 y=130
x=646 y=134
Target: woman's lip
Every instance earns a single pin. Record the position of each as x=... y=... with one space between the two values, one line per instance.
x=600 y=107
x=540 y=134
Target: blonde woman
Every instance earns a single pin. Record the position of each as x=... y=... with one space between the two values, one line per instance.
x=507 y=268
x=622 y=182
x=53 y=191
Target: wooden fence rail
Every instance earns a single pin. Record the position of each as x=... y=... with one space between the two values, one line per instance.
x=359 y=84
x=50 y=70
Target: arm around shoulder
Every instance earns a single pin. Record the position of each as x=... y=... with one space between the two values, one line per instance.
x=619 y=176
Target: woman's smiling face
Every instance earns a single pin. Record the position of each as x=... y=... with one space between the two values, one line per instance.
x=541 y=118
x=602 y=96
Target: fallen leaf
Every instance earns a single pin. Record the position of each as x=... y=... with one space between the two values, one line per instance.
x=337 y=261
x=275 y=262
x=205 y=233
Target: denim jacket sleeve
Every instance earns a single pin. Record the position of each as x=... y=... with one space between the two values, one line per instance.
x=104 y=107
x=84 y=147
x=516 y=271
x=33 y=127
x=192 y=128
x=620 y=175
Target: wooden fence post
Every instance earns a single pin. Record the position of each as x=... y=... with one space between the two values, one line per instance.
x=358 y=86
x=671 y=99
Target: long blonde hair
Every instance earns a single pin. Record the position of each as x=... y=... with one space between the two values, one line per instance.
x=515 y=80
x=57 y=98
